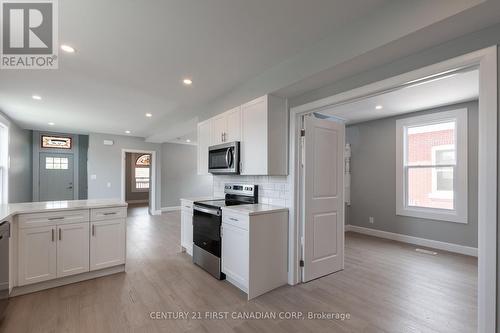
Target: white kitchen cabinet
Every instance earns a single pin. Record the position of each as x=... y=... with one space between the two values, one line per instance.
x=226 y=127
x=187 y=226
x=204 y=139
x=233 y=125
x=37 y=259
x=72 y=249
x=254 y=250
x=235 y=255
x=107 y=243
x=218 y=129
x=264 y=137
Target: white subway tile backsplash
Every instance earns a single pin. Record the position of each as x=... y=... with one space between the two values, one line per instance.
x=273 y=190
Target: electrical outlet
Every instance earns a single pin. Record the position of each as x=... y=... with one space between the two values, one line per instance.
x=371 y=219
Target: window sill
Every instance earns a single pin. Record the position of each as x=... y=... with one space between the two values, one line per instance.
x=432 y=214
x=441 y=195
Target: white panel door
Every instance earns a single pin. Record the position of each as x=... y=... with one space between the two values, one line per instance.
x=323 y=172
x=254 y=142
x=107 y=243
x=233 y=125
x=204 y=137
x=37 y=254
x=72 y=249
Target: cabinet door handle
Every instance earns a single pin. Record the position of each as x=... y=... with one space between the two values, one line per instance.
x=110 y=213
x=233 y=219
x=56 y=218
x=93 y=230
x=52 y=234
x=60 y=234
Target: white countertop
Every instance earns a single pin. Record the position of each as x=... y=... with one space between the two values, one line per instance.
x=9 y=210
x=254 y=209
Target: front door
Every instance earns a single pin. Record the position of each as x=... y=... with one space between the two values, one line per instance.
x=323 y=204
x=56 y=177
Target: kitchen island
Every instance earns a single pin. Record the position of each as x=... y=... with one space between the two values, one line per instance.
x=60 y=242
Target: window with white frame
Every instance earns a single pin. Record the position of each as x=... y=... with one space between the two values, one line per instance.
x=142 y=173
x=432 y=166
x=4 y=161
x=53 y=163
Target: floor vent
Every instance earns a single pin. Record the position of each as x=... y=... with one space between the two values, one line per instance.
x=432 y=253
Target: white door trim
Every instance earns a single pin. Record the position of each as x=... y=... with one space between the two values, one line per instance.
x=152 y=191
x=486 y=60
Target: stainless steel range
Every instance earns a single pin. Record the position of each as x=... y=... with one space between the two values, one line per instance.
x=207 y=221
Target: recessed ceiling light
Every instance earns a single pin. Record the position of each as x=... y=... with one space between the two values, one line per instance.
x=128 y=132
x=51 y=124
x=379 y=107
x=36 y=97
x=149 y=115
x=67 y=48
x=188 y=141
x=187 y=82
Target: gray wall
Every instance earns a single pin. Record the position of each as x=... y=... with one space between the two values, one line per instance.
x=20 y=183
x=179 y=175
x=130 y=195
x=105 y=163
x=373 y=181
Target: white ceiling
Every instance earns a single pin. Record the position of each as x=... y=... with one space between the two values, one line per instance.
x=448 y=90
x=132 y=55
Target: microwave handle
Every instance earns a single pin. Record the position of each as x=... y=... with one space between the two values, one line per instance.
x=229 y=157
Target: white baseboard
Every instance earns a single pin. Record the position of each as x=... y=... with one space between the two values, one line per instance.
x=170 y=209
x=470 y=251
x=156 y=212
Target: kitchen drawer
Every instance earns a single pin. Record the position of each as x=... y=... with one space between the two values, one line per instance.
x=111 y=213
x=185 y=204
x=236 y=220
x=53 y=218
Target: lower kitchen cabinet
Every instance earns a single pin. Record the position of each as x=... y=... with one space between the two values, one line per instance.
x=72 y=249
x=37 y=255
x=254 y=250
x=107 y=243
x=187 y=226
x=235 y=255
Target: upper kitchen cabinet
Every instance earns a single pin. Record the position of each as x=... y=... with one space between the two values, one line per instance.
x=226 y=127
x=204 y=141
x=264 y=145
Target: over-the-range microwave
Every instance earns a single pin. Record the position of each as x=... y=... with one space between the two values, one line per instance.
x=224 y=158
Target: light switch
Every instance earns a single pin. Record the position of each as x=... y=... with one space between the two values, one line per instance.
x=108 y=184
x=93 y=177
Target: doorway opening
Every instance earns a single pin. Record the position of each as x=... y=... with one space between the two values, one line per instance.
x=427 y=188
x=138 y=181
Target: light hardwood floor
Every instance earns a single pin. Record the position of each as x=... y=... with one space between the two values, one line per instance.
x=386 y=287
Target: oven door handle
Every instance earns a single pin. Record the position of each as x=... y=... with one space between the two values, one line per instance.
x=207 y=210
